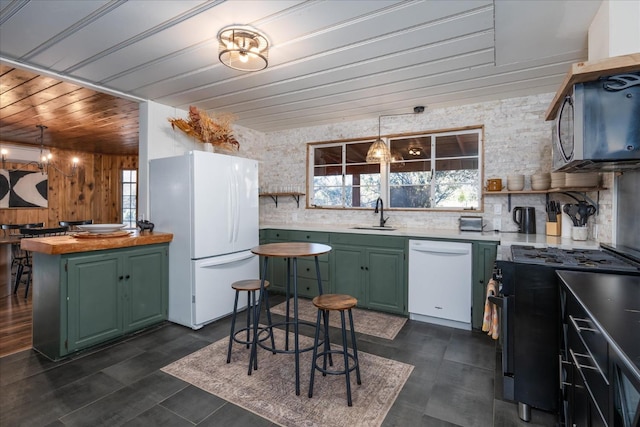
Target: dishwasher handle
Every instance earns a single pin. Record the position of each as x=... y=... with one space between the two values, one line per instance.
x=438 y=250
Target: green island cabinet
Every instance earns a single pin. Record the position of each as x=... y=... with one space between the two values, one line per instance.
x=370 y=268
x=88 y=298
x=306 y=269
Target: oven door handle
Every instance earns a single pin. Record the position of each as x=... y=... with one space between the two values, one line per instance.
x=496 y=300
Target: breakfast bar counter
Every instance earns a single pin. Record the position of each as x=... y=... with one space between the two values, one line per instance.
x=85 y=242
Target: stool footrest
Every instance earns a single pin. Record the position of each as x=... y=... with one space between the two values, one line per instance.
x=333 y=371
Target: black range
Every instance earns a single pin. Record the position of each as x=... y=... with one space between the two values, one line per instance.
x=529 y=297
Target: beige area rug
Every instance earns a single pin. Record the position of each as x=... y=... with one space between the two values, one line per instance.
x=366 y=321
x=270 y=391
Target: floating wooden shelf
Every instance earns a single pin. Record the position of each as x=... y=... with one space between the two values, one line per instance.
x=568 y=191
x=274 y=196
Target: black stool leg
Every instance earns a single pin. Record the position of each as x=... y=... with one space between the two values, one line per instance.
x=268 y=309
x=346 y=357
x=315 y=354
x=233 y=326
x=355 y=347
x=18 y=276
x=327 y=343
x=251 y=296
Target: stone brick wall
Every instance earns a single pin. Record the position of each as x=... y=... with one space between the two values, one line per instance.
x=517 y=140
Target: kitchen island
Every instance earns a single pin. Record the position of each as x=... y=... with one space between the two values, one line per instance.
x=89 y=290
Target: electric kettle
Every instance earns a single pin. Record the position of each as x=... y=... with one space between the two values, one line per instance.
x=525 y=217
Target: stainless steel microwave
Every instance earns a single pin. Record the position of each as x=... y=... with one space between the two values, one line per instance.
x=598 y=126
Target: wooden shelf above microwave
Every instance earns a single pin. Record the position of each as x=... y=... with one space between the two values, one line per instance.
x=582 y=72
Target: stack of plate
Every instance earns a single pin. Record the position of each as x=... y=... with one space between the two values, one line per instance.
x=581 y=179
x=540 y=181
x=515 y=182
x=557 y=179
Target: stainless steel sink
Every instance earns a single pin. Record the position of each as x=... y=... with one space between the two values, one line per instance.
x=373 y=227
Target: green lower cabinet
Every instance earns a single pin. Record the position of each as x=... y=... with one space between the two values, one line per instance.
x=348 y=272
x=484 y=257
x=384 y=280
x=374 y=276
x=94 y=297
x=146 y=293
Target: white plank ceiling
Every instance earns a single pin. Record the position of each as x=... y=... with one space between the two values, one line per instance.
x=330 y=61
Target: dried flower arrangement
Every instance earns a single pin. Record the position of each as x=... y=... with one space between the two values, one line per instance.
x=215 y=130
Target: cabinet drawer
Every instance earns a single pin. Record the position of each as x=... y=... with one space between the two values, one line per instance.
x=308 y=236
x=369 y=240
x=309 y=287
x=596 y=386
x=307 y=268
x=271 y=235
x=592 y=339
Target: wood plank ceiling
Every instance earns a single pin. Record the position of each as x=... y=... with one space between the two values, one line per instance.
x=77 y=118
x=330 y=61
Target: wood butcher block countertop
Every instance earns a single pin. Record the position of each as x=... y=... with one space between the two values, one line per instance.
x=58 y=245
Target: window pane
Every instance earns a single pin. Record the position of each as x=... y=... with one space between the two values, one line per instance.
x=129 y=200
x=457 y=145
x=357 y=152
x=457 y=188
x=410 y=189
x=412 y=148
x=327 y=155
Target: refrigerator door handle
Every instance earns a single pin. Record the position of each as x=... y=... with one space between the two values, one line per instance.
x=236 y=215
x=227 y=259
x=231 y=210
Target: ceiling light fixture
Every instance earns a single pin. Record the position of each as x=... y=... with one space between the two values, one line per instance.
x=415 y=151
x=379 y=151
x=46 y=157
x=243 y=48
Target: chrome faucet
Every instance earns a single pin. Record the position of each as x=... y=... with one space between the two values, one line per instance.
x=382 y=218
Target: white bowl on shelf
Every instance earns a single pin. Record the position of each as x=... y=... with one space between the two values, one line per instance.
x=515 y=182
x=581 y=179
x=100 y=228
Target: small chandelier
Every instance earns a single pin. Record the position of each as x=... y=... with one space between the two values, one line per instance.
x=415 y=151
x=243 y=48
x=46 y=158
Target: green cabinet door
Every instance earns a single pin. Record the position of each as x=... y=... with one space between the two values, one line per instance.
x=347 y=268
x=94 y=293
x=384 y=272
x=145 y=277
x=484 y=257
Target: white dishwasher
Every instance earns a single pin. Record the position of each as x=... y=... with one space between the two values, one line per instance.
x=440 y=282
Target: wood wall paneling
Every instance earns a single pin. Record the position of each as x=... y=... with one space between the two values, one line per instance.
x=92 y=193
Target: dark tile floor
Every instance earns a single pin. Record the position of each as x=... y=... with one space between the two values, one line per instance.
x=453 y=383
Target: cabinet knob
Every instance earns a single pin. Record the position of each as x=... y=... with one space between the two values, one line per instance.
x=127 y=276
x=366 y=268
x=308 y=269
x=361 y=268
x=481 y=281
x=120 y=278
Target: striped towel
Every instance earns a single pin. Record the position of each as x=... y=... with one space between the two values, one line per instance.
x=490 y=320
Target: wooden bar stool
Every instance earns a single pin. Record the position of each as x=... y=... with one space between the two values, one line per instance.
x=250 y=286
x=335 y=302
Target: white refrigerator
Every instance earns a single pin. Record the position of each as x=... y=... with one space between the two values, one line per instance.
x=209 y=202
